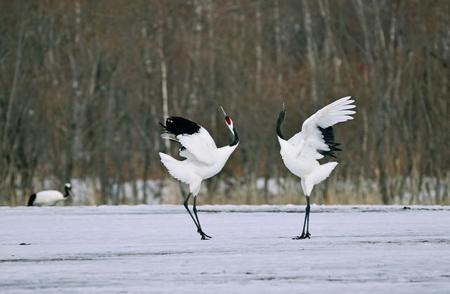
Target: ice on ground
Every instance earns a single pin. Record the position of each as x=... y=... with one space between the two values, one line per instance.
x=156 y=249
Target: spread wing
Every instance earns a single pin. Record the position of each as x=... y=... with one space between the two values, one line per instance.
x=197 y=143
x=199 y=146
x=316 y=138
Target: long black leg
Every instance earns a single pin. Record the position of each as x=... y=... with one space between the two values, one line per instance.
x=305 y=223
x=200 y=231
x=308 y=235
x=187 y=208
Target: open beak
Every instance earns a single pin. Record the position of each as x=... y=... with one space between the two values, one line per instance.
x=223 y=111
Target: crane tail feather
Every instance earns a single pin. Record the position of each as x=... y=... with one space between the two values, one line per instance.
x=176 y=168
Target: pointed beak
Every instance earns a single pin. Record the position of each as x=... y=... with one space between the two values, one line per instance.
x=223 y=111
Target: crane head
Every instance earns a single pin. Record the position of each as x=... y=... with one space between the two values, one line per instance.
x=68 y=189
x=228 y=119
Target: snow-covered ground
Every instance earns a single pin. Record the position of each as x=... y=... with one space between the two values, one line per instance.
x=153 y=249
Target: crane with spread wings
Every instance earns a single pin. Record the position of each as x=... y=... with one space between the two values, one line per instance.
x=302 y=151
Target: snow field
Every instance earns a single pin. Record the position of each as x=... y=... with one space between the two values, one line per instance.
x=155 y=249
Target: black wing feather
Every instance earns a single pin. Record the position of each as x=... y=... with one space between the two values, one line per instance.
x=31 y=199
x=180 y=126
x=328 y=136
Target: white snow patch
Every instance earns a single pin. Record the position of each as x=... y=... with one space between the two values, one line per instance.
x=156 y=249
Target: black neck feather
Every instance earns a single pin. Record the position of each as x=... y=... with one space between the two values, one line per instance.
x=279 y=123
x=235 y=138
x=66 y=192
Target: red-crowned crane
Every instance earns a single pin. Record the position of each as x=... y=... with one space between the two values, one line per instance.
x=203 y=159
x=300 y=153
x=49 y=197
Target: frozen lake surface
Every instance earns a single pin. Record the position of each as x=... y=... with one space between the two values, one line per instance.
x=155 y=249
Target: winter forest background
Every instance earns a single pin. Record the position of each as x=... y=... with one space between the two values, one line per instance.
x=84 y=84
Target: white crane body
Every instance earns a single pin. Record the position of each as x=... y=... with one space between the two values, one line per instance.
x=49 y=197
